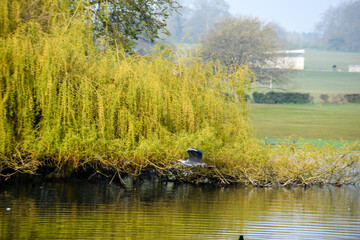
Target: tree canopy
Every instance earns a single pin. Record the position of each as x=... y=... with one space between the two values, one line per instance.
x=132 y=20
x=340 y=27
x=244 y=41
x=122 y=21
x=195 y=18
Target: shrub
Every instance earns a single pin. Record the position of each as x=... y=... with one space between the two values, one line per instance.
x=259 y=97
x=324 y=98
x=279 y=98
x=338 y=98
x=352 y=98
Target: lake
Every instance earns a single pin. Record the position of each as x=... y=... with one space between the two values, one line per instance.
x=33 y=209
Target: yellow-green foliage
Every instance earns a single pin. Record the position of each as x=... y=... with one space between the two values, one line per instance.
x=67 y=97
x=308 y=164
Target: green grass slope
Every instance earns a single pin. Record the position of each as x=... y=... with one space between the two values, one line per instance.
x=320 y=60
x=331 y=122
x=316 y=82
x=318 y=77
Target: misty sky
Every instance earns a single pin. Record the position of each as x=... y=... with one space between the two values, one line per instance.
x=293 y=15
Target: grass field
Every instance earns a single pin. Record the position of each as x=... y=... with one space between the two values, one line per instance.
x=318 y=60
x=318 y=77
x=314 y=121
x=331 y=122
x=316 y=82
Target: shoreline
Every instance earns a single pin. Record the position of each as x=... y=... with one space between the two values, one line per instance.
x=199 y=176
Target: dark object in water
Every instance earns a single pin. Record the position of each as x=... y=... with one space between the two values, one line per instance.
x=195 y=158
x=241 y=237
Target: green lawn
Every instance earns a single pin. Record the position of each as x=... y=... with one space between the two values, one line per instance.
x=326 y=82
x=331 y=122
x=318 y=60
x=318 y=77
x=314 y=122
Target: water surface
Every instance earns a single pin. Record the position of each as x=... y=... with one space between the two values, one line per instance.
x=154 y=210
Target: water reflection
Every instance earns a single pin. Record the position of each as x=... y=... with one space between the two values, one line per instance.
x=153 y=210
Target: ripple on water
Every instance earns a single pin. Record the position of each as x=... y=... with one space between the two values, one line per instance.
x=157 y=211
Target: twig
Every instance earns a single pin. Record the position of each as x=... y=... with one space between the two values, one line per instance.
x=288 y=181
x=97 y=171
x=121 y=180
x=223 y=179
x=112 y=178
x=18 y=152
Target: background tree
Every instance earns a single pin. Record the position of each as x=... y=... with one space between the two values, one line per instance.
x=176 y=23
x=294 y=40
x=205 y=14
x=131 y=20
x=118 y=20
x=340 y=27
x=245 y=41
x=195 y=18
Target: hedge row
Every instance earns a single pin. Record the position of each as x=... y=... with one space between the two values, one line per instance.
x=279 y=97
x=301 y=98
x=340 y=98
x=352 y=98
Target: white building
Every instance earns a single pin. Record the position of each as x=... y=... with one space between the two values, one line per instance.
x=291 y=59
x=354 y=68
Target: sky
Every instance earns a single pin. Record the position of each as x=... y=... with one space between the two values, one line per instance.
x=293 y=15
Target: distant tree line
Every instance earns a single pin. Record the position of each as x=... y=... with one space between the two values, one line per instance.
x=195 y=18
x=339 y=28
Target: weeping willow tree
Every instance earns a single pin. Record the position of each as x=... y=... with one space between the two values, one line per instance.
x=67 y=99
x=70 y=100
